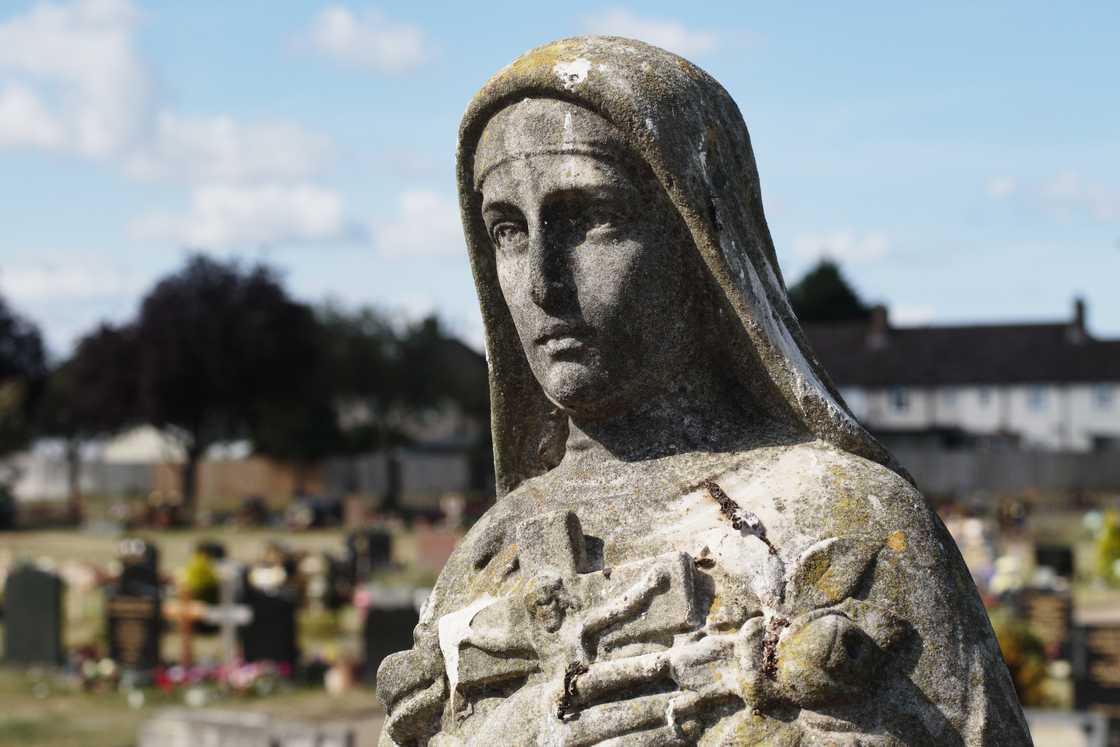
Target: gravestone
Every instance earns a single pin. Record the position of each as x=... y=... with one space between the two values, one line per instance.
x=1066 y=729
x=1049 y=613
x=389 y=619
x=1096 y=672
x=212 y=549
x=33 y=618
x=368 y=550
x=338 y=582
x=139 y=555
x=1058 y=558
x=434 y=545
x=222 y=728
x=271 y=633
x=134 y=609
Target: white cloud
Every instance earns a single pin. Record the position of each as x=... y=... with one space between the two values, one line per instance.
x=65 y=276
x=1068 y=191
x=83 y=50
x=223 y=216
x=367 y=40
x=1001 y=186
x=221 y=149
x=670 y=35
x=67 y=292
x=843 y=246
x=72 y=80
x=426 y=224
x=24 y=119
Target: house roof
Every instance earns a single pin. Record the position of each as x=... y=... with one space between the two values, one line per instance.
x=857 y=354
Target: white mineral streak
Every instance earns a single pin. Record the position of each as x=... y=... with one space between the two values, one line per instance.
x=573 y=72
x=453 y=628
x=803 y=380
x=569 y=131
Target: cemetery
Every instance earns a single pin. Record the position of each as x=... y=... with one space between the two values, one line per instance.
x=285 y=629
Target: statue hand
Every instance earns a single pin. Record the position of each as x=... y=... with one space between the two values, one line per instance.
x=413 y=688
x=834 y=654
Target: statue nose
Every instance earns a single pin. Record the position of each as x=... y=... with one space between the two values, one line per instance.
x=549 y=281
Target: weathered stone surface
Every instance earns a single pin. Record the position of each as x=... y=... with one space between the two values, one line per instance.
x=177 y=727
x=695 y=542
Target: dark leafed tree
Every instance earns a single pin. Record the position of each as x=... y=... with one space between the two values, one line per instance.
x=361 y=349
x=455 y=373
x=221 y=349
x=23 y=370
x=90 y=394
x=824 y=295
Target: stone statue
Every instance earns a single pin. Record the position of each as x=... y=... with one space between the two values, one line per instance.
x=694 y=541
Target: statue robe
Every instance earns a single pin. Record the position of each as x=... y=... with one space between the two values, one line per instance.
x=851 y=539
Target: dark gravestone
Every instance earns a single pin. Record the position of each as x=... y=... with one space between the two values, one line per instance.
x=137 y=553
x=1049 y=614
x=33 y=618
x=133 y=609
x=390 y=618
x=1096 y=673
x=212 y=549
x=271 y=633
x=338 y=583
x=1058 y=558
x=368 y=550
x=135 y=624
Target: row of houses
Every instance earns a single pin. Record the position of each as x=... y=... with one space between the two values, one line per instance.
x=1049 y=386
x=937 y=395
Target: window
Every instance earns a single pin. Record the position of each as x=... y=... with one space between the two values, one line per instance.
x=899 y=399
x=1036 y=397
x=949 y=397
x=985 y=394
x=1104 y=395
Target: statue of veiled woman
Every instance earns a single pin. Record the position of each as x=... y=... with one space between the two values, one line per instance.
x=694 y=542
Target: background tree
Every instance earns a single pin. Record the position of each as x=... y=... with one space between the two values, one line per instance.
x=220 y=350
x=23 y=370
x=362 y=355
x=22 y=373
x=452 y=370
x=90 y=394
x=824 y=295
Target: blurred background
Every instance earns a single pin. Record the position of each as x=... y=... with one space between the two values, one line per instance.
x=243 y=405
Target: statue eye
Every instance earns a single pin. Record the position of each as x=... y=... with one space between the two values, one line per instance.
x=601 y=217
x=506 y=234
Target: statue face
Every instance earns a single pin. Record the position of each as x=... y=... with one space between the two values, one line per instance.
x=589 y=262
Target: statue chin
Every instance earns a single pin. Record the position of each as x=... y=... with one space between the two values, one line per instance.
x=578 y=387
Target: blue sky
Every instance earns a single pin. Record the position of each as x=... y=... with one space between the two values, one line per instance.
x=960 y=160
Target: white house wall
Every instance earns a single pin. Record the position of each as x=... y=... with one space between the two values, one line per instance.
x=1044 y=416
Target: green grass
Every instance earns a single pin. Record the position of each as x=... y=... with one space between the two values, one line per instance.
x=46 y=710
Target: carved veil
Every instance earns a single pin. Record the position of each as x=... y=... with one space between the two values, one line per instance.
x=686 y=127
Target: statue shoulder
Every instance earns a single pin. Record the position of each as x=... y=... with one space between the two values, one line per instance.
x=819 y=464
x=820 y=491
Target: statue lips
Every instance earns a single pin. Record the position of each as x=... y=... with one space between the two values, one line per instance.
x=563 y=340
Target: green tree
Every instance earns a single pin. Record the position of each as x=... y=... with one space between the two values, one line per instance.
x=90 y=394
x=23 y=370
x=362 y=359
x=221 y=349
x=824 y=295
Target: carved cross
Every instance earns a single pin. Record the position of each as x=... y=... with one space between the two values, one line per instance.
x=568 y=615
